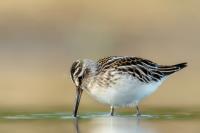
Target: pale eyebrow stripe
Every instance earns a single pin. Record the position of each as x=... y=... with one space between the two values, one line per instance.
x=77 y=71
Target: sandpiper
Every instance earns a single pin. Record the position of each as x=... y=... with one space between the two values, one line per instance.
x=119 y=81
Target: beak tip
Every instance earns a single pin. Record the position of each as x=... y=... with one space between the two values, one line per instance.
x=74 y=114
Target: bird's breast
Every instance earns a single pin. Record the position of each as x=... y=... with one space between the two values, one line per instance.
x=126 y=90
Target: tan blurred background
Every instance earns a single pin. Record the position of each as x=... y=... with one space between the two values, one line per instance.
x=39 y=39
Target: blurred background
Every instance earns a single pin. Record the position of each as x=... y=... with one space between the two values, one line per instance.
x=39 y=40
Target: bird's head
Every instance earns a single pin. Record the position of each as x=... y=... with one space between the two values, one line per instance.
x=80 y=70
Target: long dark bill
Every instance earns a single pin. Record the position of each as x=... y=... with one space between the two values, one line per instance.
x=77 y=101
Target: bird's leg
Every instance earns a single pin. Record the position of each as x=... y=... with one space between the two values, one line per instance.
x=112 y=110
x=138 y=110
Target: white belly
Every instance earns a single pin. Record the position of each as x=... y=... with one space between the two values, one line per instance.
x=127 y=91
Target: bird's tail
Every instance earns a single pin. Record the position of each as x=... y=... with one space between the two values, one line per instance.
x=167 y=70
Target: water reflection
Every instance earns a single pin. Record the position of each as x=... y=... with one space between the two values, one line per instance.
x=99 y=123
x=115 y=125
x=76 y=125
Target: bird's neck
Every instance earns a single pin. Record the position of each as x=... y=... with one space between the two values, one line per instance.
x=91 y=67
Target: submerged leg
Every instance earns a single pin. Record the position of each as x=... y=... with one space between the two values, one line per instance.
x=138 y=110
x=112 y=110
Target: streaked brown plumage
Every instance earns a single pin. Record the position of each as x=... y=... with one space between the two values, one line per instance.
x=106 y=79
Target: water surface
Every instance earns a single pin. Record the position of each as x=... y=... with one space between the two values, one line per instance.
x=62 y=122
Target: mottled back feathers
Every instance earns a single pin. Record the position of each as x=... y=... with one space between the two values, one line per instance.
x=143 y=69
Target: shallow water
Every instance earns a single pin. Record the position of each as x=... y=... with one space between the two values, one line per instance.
x=60 y=122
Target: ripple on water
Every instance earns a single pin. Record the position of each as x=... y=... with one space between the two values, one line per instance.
x=68 y=116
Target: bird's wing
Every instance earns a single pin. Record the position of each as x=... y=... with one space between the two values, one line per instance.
x=143 y=69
